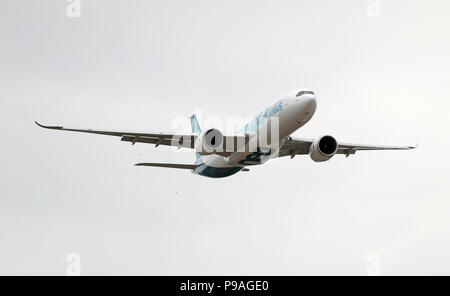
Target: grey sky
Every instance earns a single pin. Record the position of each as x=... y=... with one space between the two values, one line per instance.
x=137 y=65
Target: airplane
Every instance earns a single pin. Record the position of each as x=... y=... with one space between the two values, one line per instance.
x=219 y=156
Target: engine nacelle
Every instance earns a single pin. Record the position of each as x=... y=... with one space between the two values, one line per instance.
x=323 y=149
x=209 y=142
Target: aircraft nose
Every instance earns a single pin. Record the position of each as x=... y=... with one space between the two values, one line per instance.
x=310 y=103
x=305 y=101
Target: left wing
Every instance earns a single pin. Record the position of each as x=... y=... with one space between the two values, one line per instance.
x=298 y=146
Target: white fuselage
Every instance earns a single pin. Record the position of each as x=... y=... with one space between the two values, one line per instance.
x=291 y=113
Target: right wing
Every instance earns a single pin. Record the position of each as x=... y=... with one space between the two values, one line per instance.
x=186 y=141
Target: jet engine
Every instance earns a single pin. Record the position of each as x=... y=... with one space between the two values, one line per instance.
x=209 y=142
x=323 y=149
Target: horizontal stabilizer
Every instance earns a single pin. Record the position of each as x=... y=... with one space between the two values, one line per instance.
x=168 y=165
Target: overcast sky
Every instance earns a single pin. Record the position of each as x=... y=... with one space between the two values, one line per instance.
x=381 y=77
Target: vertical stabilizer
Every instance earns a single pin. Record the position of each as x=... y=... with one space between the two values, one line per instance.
x=194 y=124
x=196 y=131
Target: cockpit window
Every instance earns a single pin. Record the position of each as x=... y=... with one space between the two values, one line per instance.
x=304 y=92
